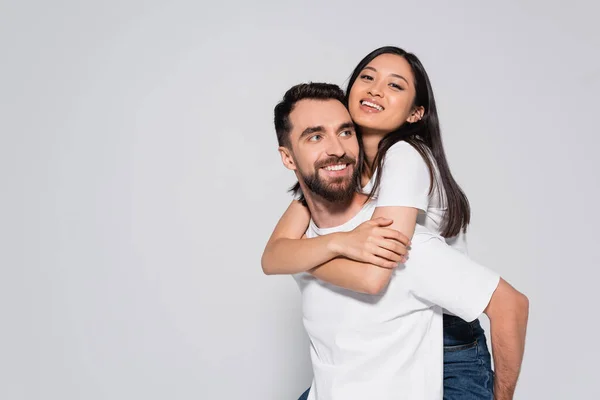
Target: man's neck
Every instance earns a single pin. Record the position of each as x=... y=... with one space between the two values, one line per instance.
x=328 y=214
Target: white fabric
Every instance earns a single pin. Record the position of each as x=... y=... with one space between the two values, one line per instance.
x=390 y=346
x=405 y=181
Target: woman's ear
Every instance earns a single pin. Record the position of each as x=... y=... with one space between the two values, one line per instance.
x=416 y=115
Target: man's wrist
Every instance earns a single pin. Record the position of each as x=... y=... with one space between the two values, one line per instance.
x=501 y=392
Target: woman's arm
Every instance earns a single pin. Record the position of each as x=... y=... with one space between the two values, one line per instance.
x=368 y=278
x=370 y=242
x=354 y=275
x=403 y=191
x=287 y=253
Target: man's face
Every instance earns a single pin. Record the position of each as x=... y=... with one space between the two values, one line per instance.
x=324 y=149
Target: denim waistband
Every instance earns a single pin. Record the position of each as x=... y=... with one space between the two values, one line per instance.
x=451 y=320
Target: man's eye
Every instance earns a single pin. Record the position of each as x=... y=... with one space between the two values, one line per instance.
x=346 y=133
x=314 y=138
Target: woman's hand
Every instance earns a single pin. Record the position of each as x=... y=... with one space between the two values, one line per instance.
x=371 y=242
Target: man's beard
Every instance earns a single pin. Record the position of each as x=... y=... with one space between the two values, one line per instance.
x=335 y=190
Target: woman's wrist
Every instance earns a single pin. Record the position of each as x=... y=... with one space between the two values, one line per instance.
x=336 y=243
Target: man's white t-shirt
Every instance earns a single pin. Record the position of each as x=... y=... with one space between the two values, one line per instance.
x=390 y=346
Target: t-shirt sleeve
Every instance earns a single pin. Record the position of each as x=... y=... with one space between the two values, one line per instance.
x=405 y=178
x=459 y=242
x=448 y=278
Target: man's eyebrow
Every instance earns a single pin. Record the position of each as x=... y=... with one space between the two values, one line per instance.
x=310 y=130
x=395 y=75
x=346 y=125
x=316 y=129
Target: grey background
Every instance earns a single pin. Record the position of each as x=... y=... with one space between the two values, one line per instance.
x=140 y=181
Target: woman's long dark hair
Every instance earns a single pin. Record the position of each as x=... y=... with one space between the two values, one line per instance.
x=425 y=136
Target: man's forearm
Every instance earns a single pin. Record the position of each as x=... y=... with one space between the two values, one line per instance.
x=508 y=345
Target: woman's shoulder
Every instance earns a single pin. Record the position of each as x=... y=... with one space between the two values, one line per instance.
x=405 y=163
x=404 y=152
x=402 y=146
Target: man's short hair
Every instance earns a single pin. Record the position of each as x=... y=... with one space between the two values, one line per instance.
x=283 y=126
x=303 y=91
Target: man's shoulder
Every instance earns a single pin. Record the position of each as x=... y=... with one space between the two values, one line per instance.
x=363 y=214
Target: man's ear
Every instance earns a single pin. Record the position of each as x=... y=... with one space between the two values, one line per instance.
x=286 y=158
x=416 y=115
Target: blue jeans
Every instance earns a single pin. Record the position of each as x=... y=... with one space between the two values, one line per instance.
x=304 y=395
x=468 y=371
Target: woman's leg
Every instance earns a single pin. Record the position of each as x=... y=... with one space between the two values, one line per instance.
x=468 y=371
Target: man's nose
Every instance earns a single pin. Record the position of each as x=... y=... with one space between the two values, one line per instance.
x=334 y=147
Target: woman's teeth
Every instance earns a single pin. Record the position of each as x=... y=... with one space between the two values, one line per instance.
x=372 y=105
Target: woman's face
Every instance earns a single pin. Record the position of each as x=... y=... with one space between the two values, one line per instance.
x=382 y=96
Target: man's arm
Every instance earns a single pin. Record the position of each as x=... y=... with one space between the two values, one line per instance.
x=466 y=289
x=508 y=311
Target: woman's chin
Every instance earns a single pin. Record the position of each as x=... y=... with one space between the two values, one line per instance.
x=367 y=126
x=372 y=124
x=366 y=121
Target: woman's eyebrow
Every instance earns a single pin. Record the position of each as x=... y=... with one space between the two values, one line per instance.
x=394 y=75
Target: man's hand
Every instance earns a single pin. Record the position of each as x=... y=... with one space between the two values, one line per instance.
x=371 y=242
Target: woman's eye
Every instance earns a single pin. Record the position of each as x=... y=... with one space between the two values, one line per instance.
x=366 y=77
x=396 y=86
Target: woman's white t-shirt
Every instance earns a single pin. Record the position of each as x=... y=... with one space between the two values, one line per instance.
x=405 y=182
